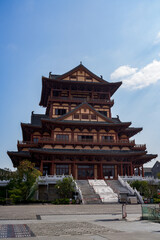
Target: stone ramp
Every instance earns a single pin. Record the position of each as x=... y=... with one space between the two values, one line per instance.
x=88 y=193
x=107 y=195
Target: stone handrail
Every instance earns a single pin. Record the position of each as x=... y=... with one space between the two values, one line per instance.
x=139 y=196
x=51 y=178
x=4 y=183
x=125 y=184
x=79 y=191
x=140 y=178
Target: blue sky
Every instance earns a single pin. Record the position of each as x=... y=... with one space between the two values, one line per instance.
x=118 y=39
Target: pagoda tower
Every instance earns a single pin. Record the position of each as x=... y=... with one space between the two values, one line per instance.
x=77 y=134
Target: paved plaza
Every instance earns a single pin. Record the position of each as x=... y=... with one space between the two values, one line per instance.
x=75 y=222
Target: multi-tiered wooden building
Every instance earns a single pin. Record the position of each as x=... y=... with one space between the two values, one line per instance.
x=78 y=135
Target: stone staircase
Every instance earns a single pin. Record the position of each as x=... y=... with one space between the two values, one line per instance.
x=106 y=193
x=125 y=193
x=88 y=193
x=117 y=187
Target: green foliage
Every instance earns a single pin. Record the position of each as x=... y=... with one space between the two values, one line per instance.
x=63 y=201
x=156 y=200
x=3 y=190
x=23 y=183
x=65 y=187
x=5 y=174
x=147 y=190
x=2 y=201
x=158 y=175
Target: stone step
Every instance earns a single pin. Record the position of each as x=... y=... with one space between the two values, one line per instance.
x=117 y=187
x=88 y=193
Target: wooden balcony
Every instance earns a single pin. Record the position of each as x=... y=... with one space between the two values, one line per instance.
x=26 y=144
x=140 y=147
x=79 y=100
x=50 y=141
x=87 y=142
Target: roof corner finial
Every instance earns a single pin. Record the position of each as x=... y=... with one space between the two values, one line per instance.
x=81 y=62
x=50 y=74
x=101 y=76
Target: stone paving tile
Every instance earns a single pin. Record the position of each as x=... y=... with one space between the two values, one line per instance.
x=131 y=236
x=66 y=237
x=31 y=211
x=68 y=228
x=15 y=231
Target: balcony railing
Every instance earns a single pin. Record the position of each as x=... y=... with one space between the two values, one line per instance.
x=25 y=143
x=82 y=141
x=76 y=99
x=139 y=147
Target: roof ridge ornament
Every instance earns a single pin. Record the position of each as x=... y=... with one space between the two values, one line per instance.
x=50 y=73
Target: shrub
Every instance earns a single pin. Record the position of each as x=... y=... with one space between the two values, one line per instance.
x=65 y=187
x=156 y=200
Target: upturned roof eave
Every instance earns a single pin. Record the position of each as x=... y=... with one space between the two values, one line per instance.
x=85 y=152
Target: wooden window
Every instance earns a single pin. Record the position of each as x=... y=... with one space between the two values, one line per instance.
x=88 y=79
x=73 y=78
x=85 y=138
x=59 y=111
x=35 y=139
x=93 y=117
x=107 y=138
x=76 y=116
x=62 y=169
x=63 y=137
x=55 y=93
x=104 y=113
x=84 y=116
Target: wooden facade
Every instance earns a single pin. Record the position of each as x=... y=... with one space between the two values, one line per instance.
x=78 y=135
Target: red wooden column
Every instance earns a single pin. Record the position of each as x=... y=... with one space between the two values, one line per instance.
x=121 y=169
x=131 y=169
x=73 y=170
x=101 y=171
x=142 y=171
x=128 y=170
x=76 y=171
x=41 y=167
x=95 y=171
x=115 y=172
x=139 y=172
x=70 y=169
x=52 y=168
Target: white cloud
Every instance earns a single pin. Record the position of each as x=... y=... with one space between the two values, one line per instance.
x=123 y=71
x=157 y=40
x=144 y=77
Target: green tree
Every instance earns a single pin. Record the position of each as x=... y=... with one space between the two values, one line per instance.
x=158 y=175
x=146 y=189
x=141 y=186
x=65 y=187
x=23 y=182
x=5 y=174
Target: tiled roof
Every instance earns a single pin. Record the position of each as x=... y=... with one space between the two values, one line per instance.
x=36 y=118
x=86 y=151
